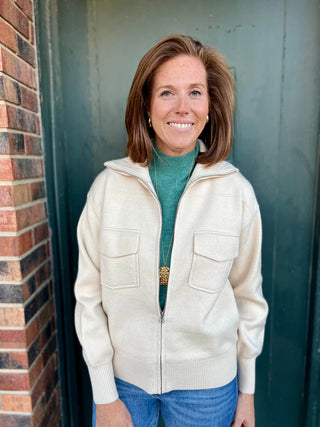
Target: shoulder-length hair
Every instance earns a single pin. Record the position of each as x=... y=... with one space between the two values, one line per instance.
x=218 y=132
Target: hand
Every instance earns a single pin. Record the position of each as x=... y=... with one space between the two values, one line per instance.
x=244 y=415
x=113 y=414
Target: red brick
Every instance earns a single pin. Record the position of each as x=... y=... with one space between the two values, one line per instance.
x=11 y=317
x=11 y=143
x=15 y=245
x=19 y=360
x=17 y=68
x=8 y=36
x=45 y=382
x=14 y=195
x=26 y=51
x=12 y=14
x=6 y=195
x=38 y=123
x=52 y=415
x=35 y=371
x=4 y=142
x=31 y=215
x=50 y=349
x=14 y=360
x=32 y=331
x=19 y=338
x=37 y=190
x=6 y=172
x=9 y=90
x=3 y=116
x=39 y=412
x=29 y=99
x=26 y=7
x=55 y=419
x=16 y=420
x=41 y=233
x=10 y=270
x=16 y=403
x=21 y=120
x=33 y=145
x=14 y=382
x=43 y=274
x=27 y=168
x=31 y=261
x=46 y=314
x=27 y=289
x=12 y=338
x=21 y=194
x=31 y=32
x=8 y=221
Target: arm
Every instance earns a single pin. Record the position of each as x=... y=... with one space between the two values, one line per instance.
x=246 y=280
x=90 y=319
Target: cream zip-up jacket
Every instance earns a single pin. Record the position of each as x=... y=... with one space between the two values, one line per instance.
x=212 y=327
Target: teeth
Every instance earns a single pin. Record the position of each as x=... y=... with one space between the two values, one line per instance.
x=180 y=125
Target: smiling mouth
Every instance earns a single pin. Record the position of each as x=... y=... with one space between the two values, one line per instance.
x=181 y=125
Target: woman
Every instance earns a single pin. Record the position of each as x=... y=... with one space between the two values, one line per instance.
x=170 y=311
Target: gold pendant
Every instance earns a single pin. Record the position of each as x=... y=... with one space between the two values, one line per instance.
x=164 y=275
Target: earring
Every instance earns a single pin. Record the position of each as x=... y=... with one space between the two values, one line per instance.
x=207 y=119
x=149 y=122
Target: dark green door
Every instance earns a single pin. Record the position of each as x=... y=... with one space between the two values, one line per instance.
x=272 y=46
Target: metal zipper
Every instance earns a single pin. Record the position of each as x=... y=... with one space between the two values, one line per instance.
x=162 y=318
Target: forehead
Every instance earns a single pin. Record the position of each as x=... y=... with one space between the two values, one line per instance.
x=181 y=68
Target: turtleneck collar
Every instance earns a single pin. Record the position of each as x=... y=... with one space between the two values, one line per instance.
x=182 y=164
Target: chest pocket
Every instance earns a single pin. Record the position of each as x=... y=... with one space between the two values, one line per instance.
x=119 y=266
x=213 y=255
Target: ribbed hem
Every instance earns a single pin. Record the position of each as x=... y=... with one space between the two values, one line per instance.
x=200 y=374
x=185 y=375
x=246 y=375
x=103 y=385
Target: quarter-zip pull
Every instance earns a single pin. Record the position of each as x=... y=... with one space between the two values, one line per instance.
x=162 y=319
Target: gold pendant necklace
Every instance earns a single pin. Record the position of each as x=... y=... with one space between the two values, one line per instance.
x=164 y=271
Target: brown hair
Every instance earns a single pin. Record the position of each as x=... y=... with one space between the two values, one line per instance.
x=218 y=132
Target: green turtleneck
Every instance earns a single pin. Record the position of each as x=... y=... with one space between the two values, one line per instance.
x=169 y=177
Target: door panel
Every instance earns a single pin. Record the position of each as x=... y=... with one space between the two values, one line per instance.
x=272 y=47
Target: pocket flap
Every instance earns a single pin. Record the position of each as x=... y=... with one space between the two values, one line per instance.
x=117 y=243
x=220 y=247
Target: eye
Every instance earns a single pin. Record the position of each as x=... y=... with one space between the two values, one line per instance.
x=195 y=92
x=165 y=93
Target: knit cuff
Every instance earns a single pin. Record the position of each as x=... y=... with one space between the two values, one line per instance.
x=246 y=375
x=103 y=385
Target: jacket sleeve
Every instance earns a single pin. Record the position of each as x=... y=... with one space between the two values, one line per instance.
x=90 y=319
x=246 y=280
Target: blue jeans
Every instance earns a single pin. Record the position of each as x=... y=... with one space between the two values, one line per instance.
x=213 y=407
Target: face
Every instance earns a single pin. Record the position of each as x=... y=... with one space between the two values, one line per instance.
x=179 y=104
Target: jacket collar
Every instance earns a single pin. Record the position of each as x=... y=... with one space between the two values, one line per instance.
x=127 y=167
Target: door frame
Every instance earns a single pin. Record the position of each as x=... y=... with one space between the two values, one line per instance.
x=52 y=114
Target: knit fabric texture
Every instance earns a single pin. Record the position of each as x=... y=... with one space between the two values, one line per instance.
x=169 y=175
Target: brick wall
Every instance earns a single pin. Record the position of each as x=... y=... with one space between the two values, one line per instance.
x=29 y=394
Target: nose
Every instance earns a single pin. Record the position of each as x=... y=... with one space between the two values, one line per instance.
x=182 y=105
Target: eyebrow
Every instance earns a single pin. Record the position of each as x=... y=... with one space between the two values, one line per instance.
x=172 y=87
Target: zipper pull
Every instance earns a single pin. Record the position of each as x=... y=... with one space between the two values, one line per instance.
x=161 y=320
